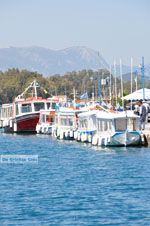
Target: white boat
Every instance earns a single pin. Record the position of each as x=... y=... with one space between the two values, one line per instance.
x=66 y=122
x=111 y=129
x=87 y=125
x=65 y=119
x=46 y=124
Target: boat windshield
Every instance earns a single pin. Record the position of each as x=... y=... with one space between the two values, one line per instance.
x=26 y=108
x=66 y=121
x=48 y=105
x=104 y=125
x=51 y=105
x=47 y=118
x=38 y=106
x=125 y=124
x=121 y=124
x=83 y=123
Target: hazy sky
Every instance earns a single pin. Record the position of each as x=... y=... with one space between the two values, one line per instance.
x=116 y=28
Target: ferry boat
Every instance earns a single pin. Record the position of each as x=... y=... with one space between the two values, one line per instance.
x=62 y=123
x=110 y=129
x=46 y=121
x=66 y=122
x=23 y=114
x=87 y=126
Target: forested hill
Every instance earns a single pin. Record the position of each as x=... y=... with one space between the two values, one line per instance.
x=13 y=82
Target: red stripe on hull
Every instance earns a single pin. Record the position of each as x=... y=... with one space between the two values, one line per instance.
x=26 y=123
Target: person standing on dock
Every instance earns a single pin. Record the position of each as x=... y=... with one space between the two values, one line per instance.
x=142 y=115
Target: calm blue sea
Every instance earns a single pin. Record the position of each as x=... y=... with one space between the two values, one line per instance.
x=73 y=184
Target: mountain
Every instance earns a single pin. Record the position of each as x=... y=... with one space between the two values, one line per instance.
x=49 y=62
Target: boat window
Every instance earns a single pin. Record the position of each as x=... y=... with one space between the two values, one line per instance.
x=43 y=118
x=17 y=109
x=120 y=125
x=105 y=125
x=99 y=125
x=109 y=125
x=38 y=106
x=80 y=123
x=26 y=108
x=10 y=111
x=70 y=121
x=51 y=119
x=131 y=124
x=83 y=123
x=6 y=112
x=63 y=121
x=56 y=119
x=53 y=105
x=48 y=105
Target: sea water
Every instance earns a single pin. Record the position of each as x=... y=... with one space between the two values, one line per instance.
x=73 y=183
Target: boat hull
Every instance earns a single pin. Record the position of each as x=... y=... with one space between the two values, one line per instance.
x=25 y=123
x=126 y=139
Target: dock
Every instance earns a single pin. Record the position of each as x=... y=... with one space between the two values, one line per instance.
x=146 y=133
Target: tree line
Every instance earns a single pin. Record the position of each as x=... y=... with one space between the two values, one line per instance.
x=13 y=82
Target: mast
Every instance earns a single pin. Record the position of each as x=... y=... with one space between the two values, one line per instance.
x=110 y=85
x=35 y=88
x=74 y=96
x=115 y=81
x=142 y=77
x=33 y=85
x=131 y=79
x=136 y=82
x=121 y=83
x=99 y=88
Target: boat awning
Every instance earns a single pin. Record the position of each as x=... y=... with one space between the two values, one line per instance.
x=87 y=114
x=117 y=115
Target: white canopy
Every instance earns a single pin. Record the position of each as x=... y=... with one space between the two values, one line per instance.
x=138 y=95
x=117 y=115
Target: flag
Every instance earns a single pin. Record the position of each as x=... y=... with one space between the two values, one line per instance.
x=134 y=71
x=84 y=96
x=45 y=91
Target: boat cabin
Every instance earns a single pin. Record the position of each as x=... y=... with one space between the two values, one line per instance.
x=117 y=122
x=6 y=111
x=66 y=118
x=34 y=105
x=87 y=121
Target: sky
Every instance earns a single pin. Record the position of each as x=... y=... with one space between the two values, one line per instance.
x=116 y=28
